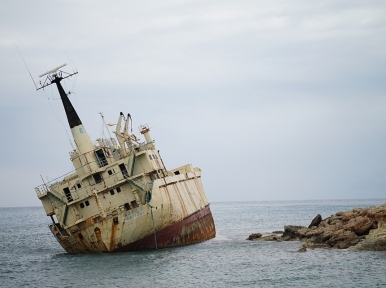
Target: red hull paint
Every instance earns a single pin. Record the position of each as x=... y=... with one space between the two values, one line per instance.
x=195 y=228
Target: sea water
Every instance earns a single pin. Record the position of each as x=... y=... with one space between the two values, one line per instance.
x=31 y=257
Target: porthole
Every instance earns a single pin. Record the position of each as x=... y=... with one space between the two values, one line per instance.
x=87 y=203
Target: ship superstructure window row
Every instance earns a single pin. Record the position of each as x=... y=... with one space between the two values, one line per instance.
x=118 y=189
x=86 y=203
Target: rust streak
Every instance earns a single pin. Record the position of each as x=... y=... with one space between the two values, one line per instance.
x=181 y=200
x=170 y=200
x=200 y=190
x=112 y=238
x=100 y=243
x=195 y=228
x=190 y=196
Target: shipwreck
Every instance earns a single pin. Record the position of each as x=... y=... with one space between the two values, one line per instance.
x=120 y=197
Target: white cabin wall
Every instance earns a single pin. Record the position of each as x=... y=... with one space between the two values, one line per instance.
x=142 y=164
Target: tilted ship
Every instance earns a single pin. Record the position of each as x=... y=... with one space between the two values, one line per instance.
x=120 y=197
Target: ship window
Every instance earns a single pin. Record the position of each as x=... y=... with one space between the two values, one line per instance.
x=109 y=172
x=123 y=170
x=87 y=203
x=112 y=192
x=153 y=175
x=102 y=161
x=81 y=205
x=127 y=206
x=134 y=204
x=150 y=157
x=97 y=177
x=118 y=189
x=68 y=194
x=78 y=185
x=177 y=173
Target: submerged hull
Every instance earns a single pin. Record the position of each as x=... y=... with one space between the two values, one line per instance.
x=195 y=228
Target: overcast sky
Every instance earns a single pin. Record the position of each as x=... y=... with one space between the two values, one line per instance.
x=273 y=100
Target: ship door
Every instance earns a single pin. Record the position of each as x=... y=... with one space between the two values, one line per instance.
x=123 y=170
x=102 y=161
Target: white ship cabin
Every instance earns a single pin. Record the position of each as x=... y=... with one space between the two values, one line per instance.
x=102 y=183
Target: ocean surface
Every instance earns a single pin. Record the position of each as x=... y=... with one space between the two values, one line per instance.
x=31 y=257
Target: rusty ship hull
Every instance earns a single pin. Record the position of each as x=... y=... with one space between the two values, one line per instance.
x=120 y=196
x=178 y=214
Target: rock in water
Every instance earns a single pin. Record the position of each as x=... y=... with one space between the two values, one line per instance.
x=316 y=221
x=302 y=249
x=357 y=229
x=292 y=232
x=254 y=236
x=360 y=225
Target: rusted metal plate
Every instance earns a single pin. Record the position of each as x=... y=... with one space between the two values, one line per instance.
x=195 y=228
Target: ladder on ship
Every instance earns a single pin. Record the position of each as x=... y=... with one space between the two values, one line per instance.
x=100 y=208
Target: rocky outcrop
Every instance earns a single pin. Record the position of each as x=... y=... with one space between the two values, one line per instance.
x=316 y=221
x=254 y=236
x=357 y=229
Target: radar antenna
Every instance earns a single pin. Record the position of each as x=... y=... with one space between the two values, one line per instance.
x=54 y=76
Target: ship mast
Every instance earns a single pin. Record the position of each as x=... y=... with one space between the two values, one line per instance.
x=81 y=138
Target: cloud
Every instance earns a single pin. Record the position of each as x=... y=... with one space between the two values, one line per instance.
x=273 y=100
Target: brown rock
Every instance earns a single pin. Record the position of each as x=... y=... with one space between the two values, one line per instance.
x=359 y=229
x=271 y=237
x=336 y=222
x=343 y=239
x=313 y=232
x=348 y=216
x=292 y=232
x=302 y=249
x=375 y=241
x=316 y=221
x=360 y=225
x=254 y=236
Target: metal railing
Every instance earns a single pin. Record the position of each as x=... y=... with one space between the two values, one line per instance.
x=45 y=187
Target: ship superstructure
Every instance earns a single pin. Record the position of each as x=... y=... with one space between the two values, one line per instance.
x=120 y=196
